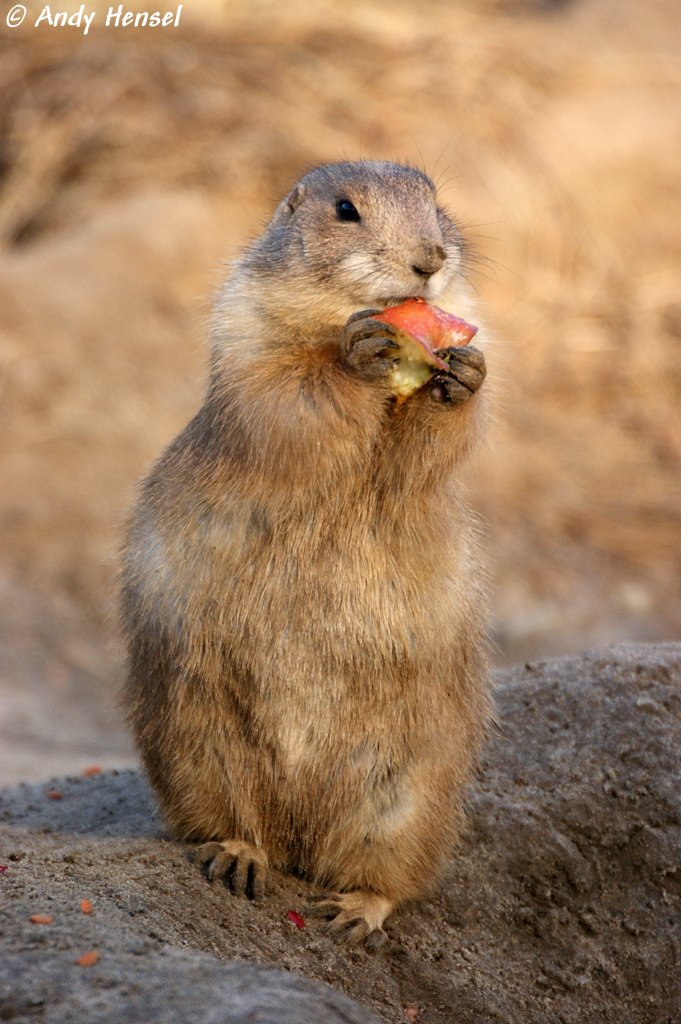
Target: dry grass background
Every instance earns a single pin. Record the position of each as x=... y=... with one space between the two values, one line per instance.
x=132 y=163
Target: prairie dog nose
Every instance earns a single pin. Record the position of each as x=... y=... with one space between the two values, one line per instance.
x=429 y=259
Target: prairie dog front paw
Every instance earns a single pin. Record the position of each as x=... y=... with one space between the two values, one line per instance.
x=467 y=371
x=369 y=347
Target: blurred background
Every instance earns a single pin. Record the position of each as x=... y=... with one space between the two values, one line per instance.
x=133 y=163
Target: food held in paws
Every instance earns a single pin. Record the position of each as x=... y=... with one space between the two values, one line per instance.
x=423 y=331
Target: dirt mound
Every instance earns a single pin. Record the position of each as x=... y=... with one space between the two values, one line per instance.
x=562 y=905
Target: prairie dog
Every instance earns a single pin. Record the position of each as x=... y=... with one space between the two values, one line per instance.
x=302 y=601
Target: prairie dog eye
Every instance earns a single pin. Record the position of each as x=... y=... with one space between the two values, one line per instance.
x=346 y=211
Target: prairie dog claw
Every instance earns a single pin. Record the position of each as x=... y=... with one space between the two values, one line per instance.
x=358 y=916
x=242 y=866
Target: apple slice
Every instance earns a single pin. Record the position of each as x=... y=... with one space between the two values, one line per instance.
x=423 y=330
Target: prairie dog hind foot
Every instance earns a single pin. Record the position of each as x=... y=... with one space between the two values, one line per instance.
x=242 y=867
x=358 y=916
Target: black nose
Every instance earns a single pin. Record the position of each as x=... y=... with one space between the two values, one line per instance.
x=429 y=260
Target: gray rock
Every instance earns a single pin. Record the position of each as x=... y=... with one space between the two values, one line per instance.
x=167 y=988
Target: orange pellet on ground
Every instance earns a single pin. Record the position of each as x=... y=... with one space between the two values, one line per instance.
x=93 y=769
x=88 y=959
x=54 y=794
x=42 y=918
x=86 y=907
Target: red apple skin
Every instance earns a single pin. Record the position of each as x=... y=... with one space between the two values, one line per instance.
x=432 y=327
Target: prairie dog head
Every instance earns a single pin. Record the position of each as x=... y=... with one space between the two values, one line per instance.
x=350 y=236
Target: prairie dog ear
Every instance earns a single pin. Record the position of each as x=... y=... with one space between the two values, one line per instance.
x=293 y=201
x=295 y=198
x=287 y=207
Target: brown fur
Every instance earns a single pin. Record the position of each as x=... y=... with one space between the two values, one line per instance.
x=302 y=601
